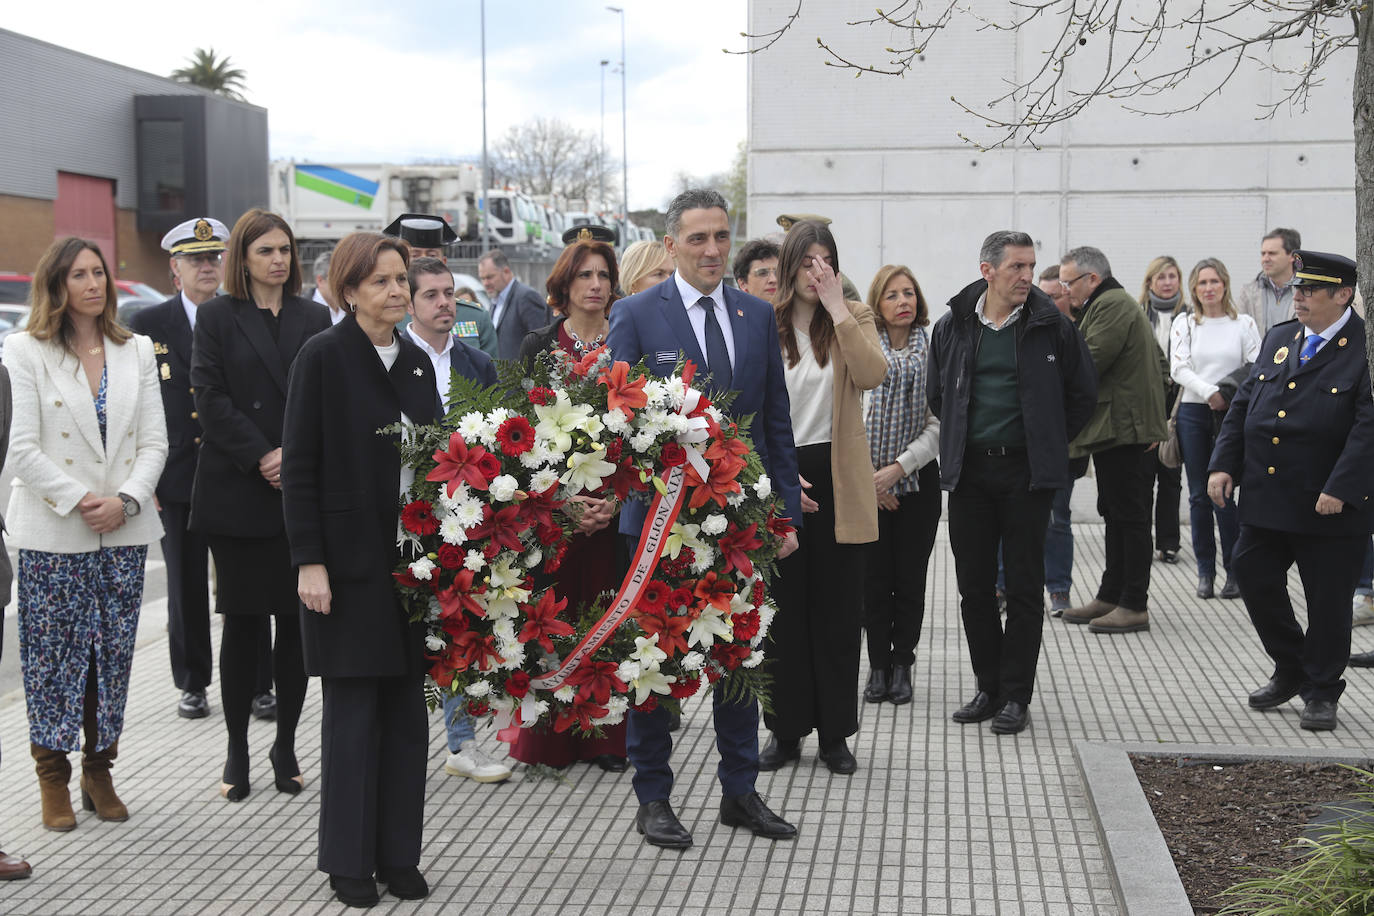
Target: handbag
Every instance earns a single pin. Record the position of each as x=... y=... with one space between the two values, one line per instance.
x=1170 y=455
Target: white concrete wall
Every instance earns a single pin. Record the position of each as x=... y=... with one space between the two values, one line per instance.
x=882 y=156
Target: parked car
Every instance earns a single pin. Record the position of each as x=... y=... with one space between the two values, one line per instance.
x=14 y=288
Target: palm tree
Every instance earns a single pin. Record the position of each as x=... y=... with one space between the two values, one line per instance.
x=205 y=71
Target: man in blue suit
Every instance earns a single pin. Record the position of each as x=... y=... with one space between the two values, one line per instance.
x=732 y=337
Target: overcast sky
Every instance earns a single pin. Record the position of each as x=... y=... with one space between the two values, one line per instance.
x=342 y=80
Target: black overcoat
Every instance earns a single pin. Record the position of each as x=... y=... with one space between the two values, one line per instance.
x=239 y=374
x=341 y=486
x=170 y=330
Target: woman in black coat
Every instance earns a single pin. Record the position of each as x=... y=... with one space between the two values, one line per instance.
x=343 y=482
x=244 y=345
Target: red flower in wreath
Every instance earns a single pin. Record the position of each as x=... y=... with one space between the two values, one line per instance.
x=472 y=650
x=406 y=578
x=502 y=529
x=459 y=464
x=720 y=483
x=780 y=525
x=478 y=708
x=541 y=395
x=489 y=465
x=730 y=655
x=652 y=597
x=746 y=625
x=649 y=705
x=458 y=597
x=671 y=630
x=597 y=680
x=418 y=518
x=683 y=688
x=518 y=684
x=715 y=591
x=735 y=547
x=584 y=365
x=542 y=623
x=515 y=436
x=621 y=394
x=756 y=594
x=450 y=556
x=681 y=599
x=581 y=711
x=673 y=455
x=536 y=509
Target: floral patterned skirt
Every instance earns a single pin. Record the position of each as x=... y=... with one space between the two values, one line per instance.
x=75 y=608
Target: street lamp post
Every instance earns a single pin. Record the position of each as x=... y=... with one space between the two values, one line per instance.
x=624 y=121
x=601 y=150
x=486 y=174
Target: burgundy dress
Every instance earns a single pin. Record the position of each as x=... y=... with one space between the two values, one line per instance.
x=588 y=568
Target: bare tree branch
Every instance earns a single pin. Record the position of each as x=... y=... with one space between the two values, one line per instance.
x=549 y=156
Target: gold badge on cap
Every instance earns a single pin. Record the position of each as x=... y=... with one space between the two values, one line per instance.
x=202 y=231
x=1280 y=355
x=584 y=235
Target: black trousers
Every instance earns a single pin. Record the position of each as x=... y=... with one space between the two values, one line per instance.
x=372 y=773
x=895 y=568
x=1330 y=569
x=994 y=503
x=1125 y=481
x=1168 y=492
x=813 y=645
x=187 y=554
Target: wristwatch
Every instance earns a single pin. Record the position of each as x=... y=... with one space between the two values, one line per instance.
x=131 y=507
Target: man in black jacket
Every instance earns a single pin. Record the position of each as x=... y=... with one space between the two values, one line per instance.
x=516 y=309
x=1012 y=382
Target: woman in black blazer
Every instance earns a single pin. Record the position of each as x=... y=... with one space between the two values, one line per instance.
x=244 y=345
x=343 y=483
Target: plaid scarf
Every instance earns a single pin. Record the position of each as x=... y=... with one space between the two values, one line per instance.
x=897 y=407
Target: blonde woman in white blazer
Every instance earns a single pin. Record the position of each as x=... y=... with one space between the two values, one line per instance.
x=87 y=447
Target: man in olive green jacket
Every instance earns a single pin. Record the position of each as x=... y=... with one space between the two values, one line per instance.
x=1122 y=435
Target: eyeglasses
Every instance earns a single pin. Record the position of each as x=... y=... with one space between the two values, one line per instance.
x=1068 y=284
x=1306 y=292
x=759 y=273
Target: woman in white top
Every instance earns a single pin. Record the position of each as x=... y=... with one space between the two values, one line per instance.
x=87 y=448
x=831 y=355
x=1209 y=342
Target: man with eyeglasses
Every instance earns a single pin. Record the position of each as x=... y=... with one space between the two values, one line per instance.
x=1299 y=442
x=1121 y=436
x=756 y=269
x=196 y=248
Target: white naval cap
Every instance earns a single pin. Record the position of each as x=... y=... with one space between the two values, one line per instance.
x=196 y=235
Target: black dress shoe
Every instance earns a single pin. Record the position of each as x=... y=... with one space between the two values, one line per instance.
x=978 y=709
x=193 y=705
x=610 y=763
x=1230 y=589
x=837 y=758
x=779 y=752
x=1362 y=659
x=265 y=707
x=899 y=688
x=1319 y=715
x=875 y=691
x=661 y=827
x=1013 y=718
x=1204 y=587
x=750 y=811
x=404 y=883
x=359 y=892
x=1275 y=693
x=1169 y=556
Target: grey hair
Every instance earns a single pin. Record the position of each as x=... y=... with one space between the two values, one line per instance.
x=996 y=244
x=1089 y=259
x=322 y=264
x=693 y=199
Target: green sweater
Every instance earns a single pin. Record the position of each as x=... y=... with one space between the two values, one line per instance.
x=994 y=407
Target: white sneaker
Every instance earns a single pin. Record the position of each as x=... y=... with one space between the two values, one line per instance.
x=472 y=762
x=1363 y=611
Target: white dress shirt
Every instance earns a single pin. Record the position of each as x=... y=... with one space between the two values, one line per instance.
x=442 y=360
x=697 y=316
x=1330 y=332
x=335 y=315
x=190 y=308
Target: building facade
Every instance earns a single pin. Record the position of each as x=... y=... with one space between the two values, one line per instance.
x=116 y=155
x=882 y=156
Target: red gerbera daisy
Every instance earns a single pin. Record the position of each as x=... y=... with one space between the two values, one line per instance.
x=418 y=518
x=516 y=436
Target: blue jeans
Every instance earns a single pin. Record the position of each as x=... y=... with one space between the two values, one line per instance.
x=1059 y=544
x=457 y=722
x=1195 y=439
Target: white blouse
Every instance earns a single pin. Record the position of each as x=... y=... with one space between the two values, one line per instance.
x=810 y=388
x=1204 y=354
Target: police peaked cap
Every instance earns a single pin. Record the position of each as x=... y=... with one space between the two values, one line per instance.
x=422 y=230
x=1321 y=268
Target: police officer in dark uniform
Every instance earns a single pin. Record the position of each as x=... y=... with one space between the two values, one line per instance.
x=1299 y=442
x=428 y=237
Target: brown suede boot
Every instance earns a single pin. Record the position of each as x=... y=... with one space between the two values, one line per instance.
x=97 y=788
x=54 y=772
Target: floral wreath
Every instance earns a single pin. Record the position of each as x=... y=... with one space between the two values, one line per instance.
x=489 y=517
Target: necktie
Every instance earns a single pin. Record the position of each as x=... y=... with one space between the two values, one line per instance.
x=1309 y=347
x=717 y=356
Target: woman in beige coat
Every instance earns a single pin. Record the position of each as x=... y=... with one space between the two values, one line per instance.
x=87 y=447
x=832 y=355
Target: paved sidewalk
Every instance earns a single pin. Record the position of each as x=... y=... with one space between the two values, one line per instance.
x=940 y=818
